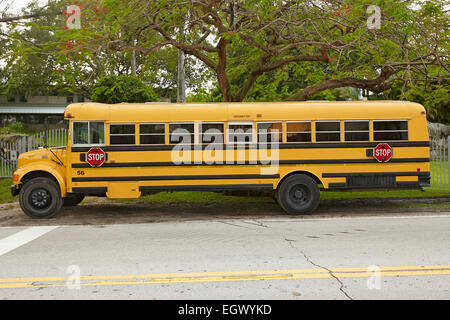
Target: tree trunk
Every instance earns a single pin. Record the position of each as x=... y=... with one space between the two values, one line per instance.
x=181 y=83
x=222 y=71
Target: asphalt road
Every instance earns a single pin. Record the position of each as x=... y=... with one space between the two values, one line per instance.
x=375 y=257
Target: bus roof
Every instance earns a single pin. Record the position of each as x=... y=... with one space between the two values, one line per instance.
x=242 y=111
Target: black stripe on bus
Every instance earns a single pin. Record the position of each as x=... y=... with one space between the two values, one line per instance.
x=192 y=177
x=306 y=145
x=89 y=190
x=333 y=185
x=224 y=187
x=397 y=185
x=143 y=189
x=281 y=162
x=374 y=174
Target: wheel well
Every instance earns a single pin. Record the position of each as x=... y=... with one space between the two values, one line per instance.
x=38 y=174
x=306 y=173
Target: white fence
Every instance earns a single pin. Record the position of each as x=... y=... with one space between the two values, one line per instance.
x=440 y=164
x=8 y=160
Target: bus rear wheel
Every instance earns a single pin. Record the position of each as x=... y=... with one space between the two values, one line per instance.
x=299 y=194
x=40 y=198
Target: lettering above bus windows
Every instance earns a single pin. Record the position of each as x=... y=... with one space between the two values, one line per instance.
x=298 y=131
x=270 y=132
x=328 y=131
x=88 y=133
x=240 y=133
x=211 y=132
x=356 y=130
x=152 y=133
x=386 y=130
x=181 y=133
x=122 y=133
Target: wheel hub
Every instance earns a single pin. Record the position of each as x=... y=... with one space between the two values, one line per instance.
x=40 y=198
x=299 y=194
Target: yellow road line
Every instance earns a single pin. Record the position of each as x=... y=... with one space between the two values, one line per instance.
x=228 y=273
x=9 y=283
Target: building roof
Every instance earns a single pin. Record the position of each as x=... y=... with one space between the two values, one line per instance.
x=32 y=109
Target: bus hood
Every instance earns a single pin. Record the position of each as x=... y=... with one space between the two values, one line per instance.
x=42 y=154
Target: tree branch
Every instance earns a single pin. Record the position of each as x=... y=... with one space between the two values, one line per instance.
x=23 y=17
x=262 y=67
x=375 y=85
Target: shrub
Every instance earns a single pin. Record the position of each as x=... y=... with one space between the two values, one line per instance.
x=116 y=89
x=15 y=127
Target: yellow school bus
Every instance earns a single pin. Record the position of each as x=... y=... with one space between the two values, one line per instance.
x=293 y=149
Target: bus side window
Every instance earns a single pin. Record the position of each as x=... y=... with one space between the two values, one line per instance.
x=211 y=132
x=122 y=133
x=240 y=133
x=298 y=131
x=270 y=132
x=356 y=130
x=328 y=131
x=390 y=130
x=181 y=133
x=152 y=133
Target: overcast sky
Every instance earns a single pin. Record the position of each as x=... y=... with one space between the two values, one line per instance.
x=15 y=5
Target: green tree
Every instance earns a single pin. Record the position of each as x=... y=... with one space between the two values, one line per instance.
x=435 y=97
x=38 y=58
x=116 y=89
x=26 y=68
x=241 y=41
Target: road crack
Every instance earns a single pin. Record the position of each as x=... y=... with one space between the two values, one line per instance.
x=257 y=223
x=341 y=284
x=236 y=225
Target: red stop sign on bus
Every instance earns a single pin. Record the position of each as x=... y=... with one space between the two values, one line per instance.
x=382 y=152
x=95 y=157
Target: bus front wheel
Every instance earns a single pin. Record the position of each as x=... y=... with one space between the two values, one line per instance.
x=299 y=194
x=40 y=198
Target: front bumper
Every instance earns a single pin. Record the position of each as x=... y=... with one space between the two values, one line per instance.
x=15 y=189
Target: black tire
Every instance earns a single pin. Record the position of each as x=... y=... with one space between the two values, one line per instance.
x=275 y=197
x=73 y=199
x=299 y=194
x=40 y=198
